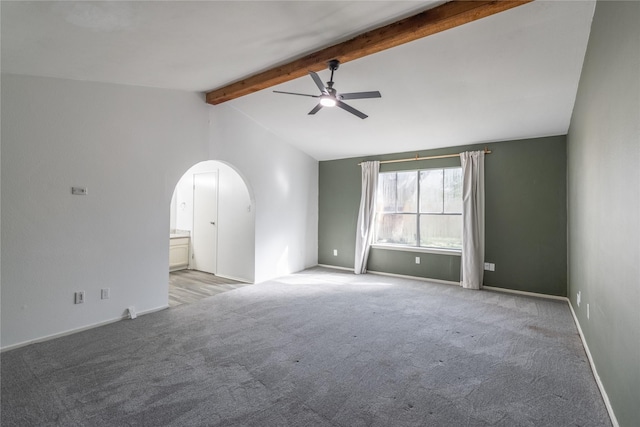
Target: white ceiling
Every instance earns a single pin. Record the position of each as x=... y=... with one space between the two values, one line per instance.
x=509 y=76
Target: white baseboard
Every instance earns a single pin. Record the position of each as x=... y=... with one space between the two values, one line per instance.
x=422 y=279
x=402 y=276
x=526 y=293
x=335 y=267
x=237 y=279
x=603 y=392
x=76 y=330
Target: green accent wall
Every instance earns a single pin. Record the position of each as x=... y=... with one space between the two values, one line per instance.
x=526 y=216
x=433 y=266
x=604 y=203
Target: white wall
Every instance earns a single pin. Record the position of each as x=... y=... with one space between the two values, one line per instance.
x=128 y=146
x=285 y=183
x=236 y=219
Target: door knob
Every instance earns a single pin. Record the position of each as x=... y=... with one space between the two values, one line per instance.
x=212 y=223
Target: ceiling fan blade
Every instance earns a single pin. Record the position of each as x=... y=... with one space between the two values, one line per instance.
x=299 y=94
x=351 y=110
x=316 y=109
x=361 y=95
x=319 y=83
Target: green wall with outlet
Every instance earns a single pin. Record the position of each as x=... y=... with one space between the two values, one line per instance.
x=526 y=216
x=603 y=147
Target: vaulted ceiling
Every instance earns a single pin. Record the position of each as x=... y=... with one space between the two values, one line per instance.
x=508 y=76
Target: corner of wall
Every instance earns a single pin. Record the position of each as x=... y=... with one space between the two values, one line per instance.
x=281 y=176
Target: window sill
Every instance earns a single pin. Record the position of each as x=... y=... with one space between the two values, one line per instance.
x=454 y=252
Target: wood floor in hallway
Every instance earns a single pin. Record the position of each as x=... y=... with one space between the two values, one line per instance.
x=188 y=286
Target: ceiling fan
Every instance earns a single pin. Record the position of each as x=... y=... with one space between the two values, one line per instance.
x=329 y=97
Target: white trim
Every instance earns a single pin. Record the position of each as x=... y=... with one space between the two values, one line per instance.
x=76 y=330
x=603 y=392
x=422 y=279
x=237 y=279
x=531 y=294
x=402 y=276
x=439 y=251
x=335 y=267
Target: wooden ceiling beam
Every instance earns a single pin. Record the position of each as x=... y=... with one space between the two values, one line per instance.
x=423 y=24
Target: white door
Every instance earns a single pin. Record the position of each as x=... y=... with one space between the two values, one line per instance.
x=205 y=221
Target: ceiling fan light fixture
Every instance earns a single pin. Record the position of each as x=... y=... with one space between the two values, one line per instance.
x=328 y=101
x=329 y=97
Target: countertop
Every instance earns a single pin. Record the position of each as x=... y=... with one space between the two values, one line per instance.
x=178 y=235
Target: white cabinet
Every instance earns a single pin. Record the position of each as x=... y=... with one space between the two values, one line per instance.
x=178 y=253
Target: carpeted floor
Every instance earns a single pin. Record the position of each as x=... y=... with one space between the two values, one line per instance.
x=318 y=348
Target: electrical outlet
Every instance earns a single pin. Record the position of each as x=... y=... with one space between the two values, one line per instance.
x=417 y=260
x=79 y=191
x=587 y=311
x=578 y=296
x=105 y=293
x=489 y=266
x=335 y=252
x=79 y=297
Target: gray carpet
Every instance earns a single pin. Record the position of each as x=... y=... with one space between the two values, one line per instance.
x=318 y=348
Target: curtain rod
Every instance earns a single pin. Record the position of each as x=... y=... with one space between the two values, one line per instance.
x=413 y=159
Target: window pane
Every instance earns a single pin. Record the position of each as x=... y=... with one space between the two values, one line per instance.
x=386 y=198
x=407 y=191
x=453 y=190
x=431 y=190
x=441 y=231
x=396 y=229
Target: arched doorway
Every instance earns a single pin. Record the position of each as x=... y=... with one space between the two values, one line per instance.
x=212 y=222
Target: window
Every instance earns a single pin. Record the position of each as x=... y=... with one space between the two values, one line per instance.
x=420 y=208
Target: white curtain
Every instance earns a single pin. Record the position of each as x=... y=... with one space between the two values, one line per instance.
x=472 y=267
x=364 y=231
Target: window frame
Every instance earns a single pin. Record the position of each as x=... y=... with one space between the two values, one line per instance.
x=417 y=214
